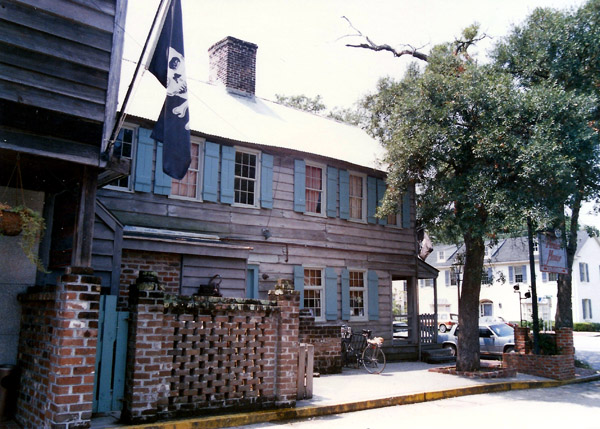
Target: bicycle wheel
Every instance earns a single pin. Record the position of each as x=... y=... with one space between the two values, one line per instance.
x=373 y=359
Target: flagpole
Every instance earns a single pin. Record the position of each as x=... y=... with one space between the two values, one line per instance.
x=160 y=15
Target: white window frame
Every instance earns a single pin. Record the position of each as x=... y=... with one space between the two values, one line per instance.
x=518 y=271
x=584 y=275
x=323 y=168
x=363 y=218
x=365 y=291
x=426 y=282
x=257 y=153
x=321 y=288
x=483 y=304
x=587 y=309
x=441 y=256
x=134 y=143
x=199 y=182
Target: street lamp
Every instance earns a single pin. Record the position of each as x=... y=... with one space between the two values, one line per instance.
x=458 y=266
x=527 y=296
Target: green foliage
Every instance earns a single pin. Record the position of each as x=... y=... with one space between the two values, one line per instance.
x=33 y=229
x=547 y=343
x=586 y=327
x=302 y=102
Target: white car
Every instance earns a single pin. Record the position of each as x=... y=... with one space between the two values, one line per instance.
x=494 y=339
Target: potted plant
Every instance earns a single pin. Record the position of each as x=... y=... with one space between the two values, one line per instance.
x=28 y=223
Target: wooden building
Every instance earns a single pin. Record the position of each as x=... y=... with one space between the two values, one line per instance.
x=273 y=193
x=60 y=65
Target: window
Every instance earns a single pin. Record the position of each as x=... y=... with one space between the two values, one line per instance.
x=189 y=186
x=246 y=178
x=357 y=197
x=552 y=277
x=123 y=149
x=313 y=291
x=487 y=277
x=486 y=308
x=587 y=308
x=358 y=295
x=441 y=256
x=584 y=274
x=518 y=274
x=452 y=277
x=426 y=282
x=393 y=219
x=315 y=189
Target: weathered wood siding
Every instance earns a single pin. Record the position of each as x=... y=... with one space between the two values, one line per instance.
x=106 y=249
x=296 y=239
x=62 y=55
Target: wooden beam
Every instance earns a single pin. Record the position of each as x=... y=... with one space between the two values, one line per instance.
x=84 y=229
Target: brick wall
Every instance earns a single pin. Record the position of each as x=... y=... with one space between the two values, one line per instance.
x=166 y=265
x=57 y=352
x=194 y=355
x=327 y=343
x=558 y=367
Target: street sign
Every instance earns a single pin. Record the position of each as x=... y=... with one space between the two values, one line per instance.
x=553 y=257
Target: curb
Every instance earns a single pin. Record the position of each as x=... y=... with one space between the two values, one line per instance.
x=242 y=419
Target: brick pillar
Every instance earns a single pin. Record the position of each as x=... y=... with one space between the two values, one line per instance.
x=57 y=352
x=146 y=355
x=288 y=301
x=522 y=343
x=564 y=341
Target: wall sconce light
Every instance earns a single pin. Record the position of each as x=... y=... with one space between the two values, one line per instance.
x=266 y=233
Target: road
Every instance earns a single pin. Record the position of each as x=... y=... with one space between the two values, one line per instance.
x=587 y=348
x=575 y=405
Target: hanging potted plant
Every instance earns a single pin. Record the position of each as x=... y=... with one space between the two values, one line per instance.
x=28 y=223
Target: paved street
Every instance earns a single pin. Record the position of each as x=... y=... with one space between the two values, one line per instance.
x=576 y=405
x=587 y=348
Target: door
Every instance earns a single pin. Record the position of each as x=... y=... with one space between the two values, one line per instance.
x=111 y=355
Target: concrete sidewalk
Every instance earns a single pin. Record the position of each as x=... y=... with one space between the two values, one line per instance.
x=356 y=390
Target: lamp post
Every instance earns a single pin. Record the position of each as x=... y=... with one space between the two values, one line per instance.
x=527 y=296
x=457 y=266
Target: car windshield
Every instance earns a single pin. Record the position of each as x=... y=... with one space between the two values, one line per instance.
x=502 y=330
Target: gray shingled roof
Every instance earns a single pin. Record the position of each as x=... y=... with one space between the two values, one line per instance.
x=506 y=250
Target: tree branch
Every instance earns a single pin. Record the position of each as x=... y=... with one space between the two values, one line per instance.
x=412 y=51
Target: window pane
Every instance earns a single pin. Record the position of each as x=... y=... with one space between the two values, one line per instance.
x=245 y=178
x=356 y=197
x=188 y=185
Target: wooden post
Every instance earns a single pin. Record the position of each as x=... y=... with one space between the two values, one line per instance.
x=84 y=227
x=305 y=371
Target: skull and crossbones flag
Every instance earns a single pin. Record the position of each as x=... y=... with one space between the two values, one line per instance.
x=168 y=65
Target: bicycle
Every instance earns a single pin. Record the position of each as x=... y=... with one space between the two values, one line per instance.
x=360 y=349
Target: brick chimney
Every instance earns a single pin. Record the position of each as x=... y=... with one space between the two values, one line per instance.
x=233 y=63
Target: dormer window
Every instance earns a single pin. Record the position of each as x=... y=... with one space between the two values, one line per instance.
x=441 y=256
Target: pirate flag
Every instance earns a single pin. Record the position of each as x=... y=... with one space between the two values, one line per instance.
x=173 y=125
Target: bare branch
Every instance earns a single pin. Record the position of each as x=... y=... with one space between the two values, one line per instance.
x=412 y=51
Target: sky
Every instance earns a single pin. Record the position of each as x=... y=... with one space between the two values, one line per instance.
x=301 y=43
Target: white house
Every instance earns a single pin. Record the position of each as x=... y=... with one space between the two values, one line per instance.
x=506 y=266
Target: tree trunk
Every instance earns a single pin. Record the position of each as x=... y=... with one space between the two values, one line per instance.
x=468 y=308
x=564 y=304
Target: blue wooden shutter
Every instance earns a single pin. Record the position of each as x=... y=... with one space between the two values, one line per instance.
x=252 y=282
x=299 y=282
x=371 y=199
x=227 y=174
x=373 y=282
x=345 y=294
x=447 y=274
x=381 y=187
x=406 y=210
x=524 y=270
x=266 y=181
x=299 y=185
x=211 y=172
x=330 y=294
x=490 y=274
x=511 y=275
x=544 y=276
x=162 y=181
x=581 y=272
x=332 y=190
x=143 y=161
x=344 y=194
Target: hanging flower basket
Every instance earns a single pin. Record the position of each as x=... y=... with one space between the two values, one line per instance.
x=11 y=223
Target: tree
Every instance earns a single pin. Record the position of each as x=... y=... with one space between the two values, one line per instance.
x=560 y=50
x=302 y=102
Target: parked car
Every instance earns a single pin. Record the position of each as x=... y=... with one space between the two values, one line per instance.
x=494 y=339
x=400 y=330
x=447 y=321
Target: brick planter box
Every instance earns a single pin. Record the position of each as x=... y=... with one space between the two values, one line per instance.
x=557 y=367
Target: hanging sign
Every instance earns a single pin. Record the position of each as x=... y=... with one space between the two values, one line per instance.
x=553 y=257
